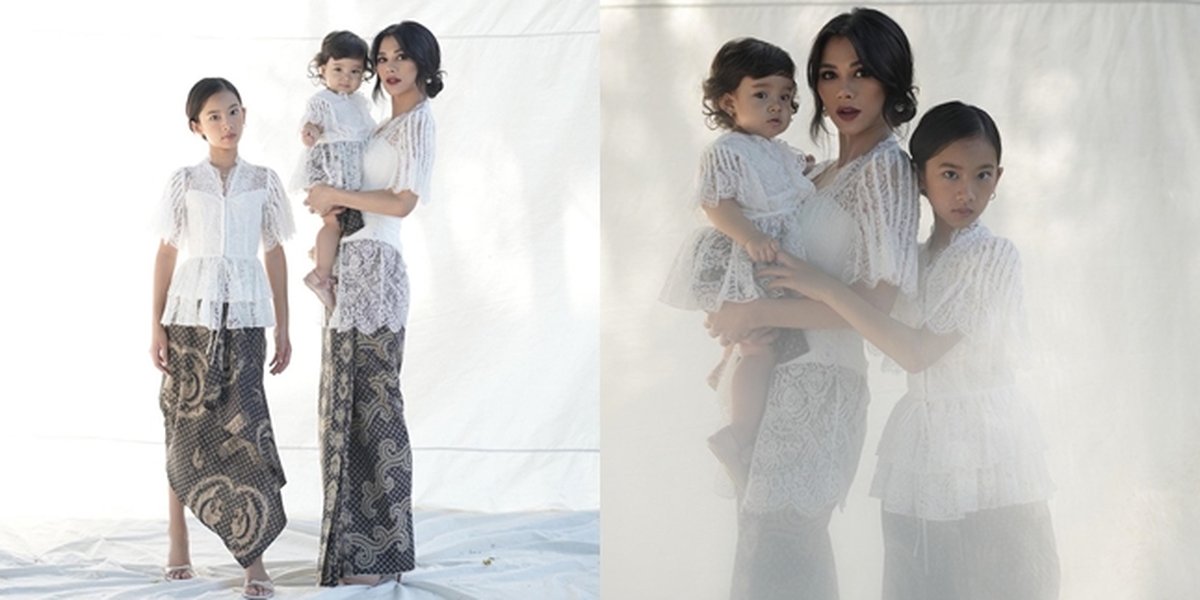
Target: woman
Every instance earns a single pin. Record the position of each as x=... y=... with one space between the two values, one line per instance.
x=860 y=227
x=366 y=530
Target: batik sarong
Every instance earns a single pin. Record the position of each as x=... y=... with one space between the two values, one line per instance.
x=366 y=460
x=221 y=456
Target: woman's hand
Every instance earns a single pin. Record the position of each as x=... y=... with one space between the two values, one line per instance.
x=791 y=273
x=733 y=322
x=160 y=348
x=320 y=200
x=283 y=351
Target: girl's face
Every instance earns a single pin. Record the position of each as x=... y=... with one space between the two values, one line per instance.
x=343 y=75
x=959 y=181
x=221 y=120
x=761 y=106
x=853 y=99
x=396 y=71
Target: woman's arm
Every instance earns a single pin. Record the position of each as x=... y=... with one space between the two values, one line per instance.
x=276 y=264
x=322 y=198
x=913 y=349
x=164 y=267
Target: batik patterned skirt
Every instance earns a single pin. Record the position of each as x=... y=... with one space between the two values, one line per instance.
x=221 y=456
x=366 y=460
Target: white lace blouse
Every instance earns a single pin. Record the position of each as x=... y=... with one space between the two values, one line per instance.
x=372 y=286
x=861 y=226
x=964 y=438
x=221 y=226
x=399 y=157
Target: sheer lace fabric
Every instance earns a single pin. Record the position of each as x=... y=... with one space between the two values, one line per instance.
x=337 y=157
x=766 y=178
x=220 y=225
x=372 y=288
x=964 y=439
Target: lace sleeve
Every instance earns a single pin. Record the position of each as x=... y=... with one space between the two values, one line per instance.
x=722 y=170
x=277 y=224
x=883 y=201
x=172 y=215
x=414 y=143
x=982 y=296
x=318 y=112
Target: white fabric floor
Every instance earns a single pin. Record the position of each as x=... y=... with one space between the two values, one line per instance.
x=460 y=555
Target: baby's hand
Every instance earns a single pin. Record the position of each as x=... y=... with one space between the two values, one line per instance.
x=762 y=248
x=809 y=162
x=309 y=134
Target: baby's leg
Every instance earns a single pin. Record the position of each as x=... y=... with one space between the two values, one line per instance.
x=751 y=378
x=327 y=246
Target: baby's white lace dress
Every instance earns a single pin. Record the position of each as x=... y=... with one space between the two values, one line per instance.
x=337 y=157
x=766 y=178
x=221 y=226
x=964 y=438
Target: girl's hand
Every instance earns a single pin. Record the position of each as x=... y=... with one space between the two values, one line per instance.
x=309 y=134
x=733 y=322
x=320 y=199
x=762 y=248
x=795 y=275
x=283 y=351
x=160 y=348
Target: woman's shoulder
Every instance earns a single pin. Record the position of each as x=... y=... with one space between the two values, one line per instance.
x=412 y=123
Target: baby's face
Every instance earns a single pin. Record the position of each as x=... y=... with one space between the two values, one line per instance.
x=343 y=75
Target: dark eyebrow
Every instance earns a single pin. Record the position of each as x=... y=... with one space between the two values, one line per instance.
x=857 y=63
x=954 y=166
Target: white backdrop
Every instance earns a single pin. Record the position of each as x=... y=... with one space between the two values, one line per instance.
x=501 y=366
x=1096 y=103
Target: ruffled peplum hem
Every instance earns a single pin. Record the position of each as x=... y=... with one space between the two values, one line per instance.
x=216 y=292
x=943 y=457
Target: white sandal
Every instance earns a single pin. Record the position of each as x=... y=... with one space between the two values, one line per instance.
x=178 y=572
x=267 y=585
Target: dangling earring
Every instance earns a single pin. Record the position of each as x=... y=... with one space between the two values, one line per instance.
x=992 y=197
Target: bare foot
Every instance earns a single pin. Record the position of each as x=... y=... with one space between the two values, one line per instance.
x=179 y=560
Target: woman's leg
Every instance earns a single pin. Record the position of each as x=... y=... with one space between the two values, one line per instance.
x=784 y=556
x=1012 y=553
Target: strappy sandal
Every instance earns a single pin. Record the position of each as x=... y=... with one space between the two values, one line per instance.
x=178 y=572
x=267 y=587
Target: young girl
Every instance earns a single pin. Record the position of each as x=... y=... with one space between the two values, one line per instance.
x=961 y=472
x=861 y=227
x=337 y=124
x=208 y=339
x=750 y=187
x=366 y=459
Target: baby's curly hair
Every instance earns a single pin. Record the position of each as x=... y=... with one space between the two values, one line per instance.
x=336 y=46
x=736 y=60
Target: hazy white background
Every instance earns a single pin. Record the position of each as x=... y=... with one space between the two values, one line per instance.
x=500 y=375
x=1096 y=103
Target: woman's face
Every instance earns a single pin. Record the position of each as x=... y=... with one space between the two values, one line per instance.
x=396 y=71
x=853 y=99
x=221 y=120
